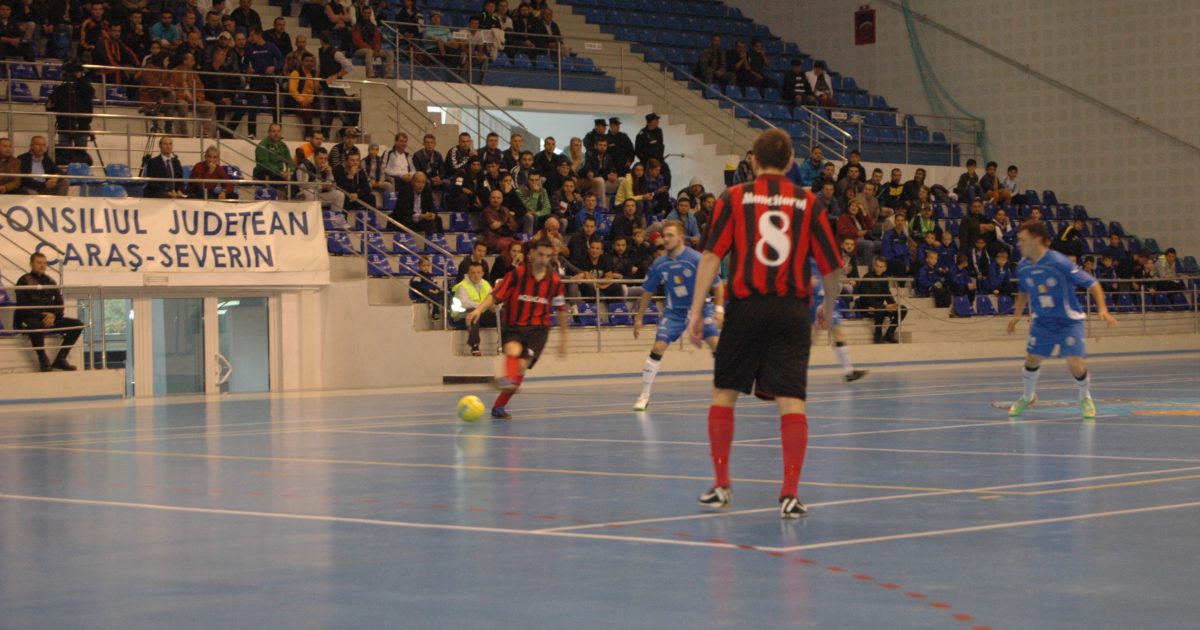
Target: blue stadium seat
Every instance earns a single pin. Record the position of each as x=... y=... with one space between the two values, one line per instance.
x=1115 y=227
x=1098 y=229
x=962 y=306
x=234 y=172
x=44 y=92
x=52 y=73
x=955 y=211
x=111 y=191
x=20 y=92
x=1123 y=303
x=984 y=306
x=618 y=315
x=1005 y=305
x=366 y=218
x=651 y=316
x=378 y=266
x=586 y=316
x=753 y=95
x=375 y=244
x=436 y=240
x=23 y=71
x=339 y=243
x=389 y=198
x=1179 y=302
x=334 y=220
x=465 y=244
x=1190 y=265
x=460 y=222
x=79 y=169
x=265 y=193
x=409 y=265
x=403 y=243
x=1080 y=212
x=1049 y=198
x=1032 y=199
x=1151 y=245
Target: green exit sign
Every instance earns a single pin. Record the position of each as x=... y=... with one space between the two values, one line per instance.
x=515 y=102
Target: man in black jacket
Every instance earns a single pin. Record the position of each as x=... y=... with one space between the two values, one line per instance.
x=600 y=170
x=165 y=165
x=429 y=161
x=415 y=208
x=42 y=309
x=352 y=179
x=620 y=146
x=34 y=164
x=650 y=141
x=71 y=100
x=875 y=297
x=796 y=89
x=546 y=161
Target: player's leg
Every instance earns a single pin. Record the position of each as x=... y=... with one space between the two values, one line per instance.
x=784 y=374
x=843 y=353
x=793 y=435
x=736 y=365
x=1029 y=378
x=720 y=440
x=668 y=331
x=514 y=372
x=1073 y=350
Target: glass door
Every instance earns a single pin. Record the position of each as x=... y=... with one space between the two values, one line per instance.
x=243 y=345
x=177 y=342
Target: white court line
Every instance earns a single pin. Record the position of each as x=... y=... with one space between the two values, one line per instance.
x=983 y=528
x=516 y=437
x=365 y=521
x=889 y=497
x=1130 y=458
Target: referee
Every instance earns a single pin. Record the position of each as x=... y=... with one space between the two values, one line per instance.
x=770 y=229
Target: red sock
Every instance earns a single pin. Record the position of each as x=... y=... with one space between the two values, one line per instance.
x=793 y=432
x=512 y=368
x=720 y=438
x=504 y=397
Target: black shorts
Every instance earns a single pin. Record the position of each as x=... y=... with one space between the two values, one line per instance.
x=531 y=338
x=765 y=341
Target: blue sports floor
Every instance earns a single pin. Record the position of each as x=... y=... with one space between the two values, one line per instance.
x=929 y=509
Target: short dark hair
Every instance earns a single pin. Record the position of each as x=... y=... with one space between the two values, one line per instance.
x=543 y=242
x=494 y=135
x=475 y=263
x=34 y=256
x=687 y=200
x=589 y=217
x=972 y=162
x=992 y=165
x=428 y=136
x=773 y=149
x=461 y=135
x=855 y=152
x=479 y=244
x=1036 y=229
x=320 y=151
x=530 y=154
x=879 y=259
x=1011 y=167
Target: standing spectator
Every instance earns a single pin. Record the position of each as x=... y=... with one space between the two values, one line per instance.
x=35 y=165
x=368 y=44
x=546 y=159
x=499 y=223
x=796 y=89
x=620 y=146
x=822 y=85
x=398 y=165
x=165 y=166
x=332 y=66
x=352 y=179
x=511 y=159
x=649 y=144
x=71 y=102
x=430 y=162
x=339 y=20
x=303 y=87
x=856 y=225
x=875 y=298
x=415 y=208
x=279 y=36
x=272 y=160
x=265 y=61
x=967 y=187
x=14 y=44
x=42 y=309
x=600 y=171
x=210 y=169
x=599 y=130
x=316 y=181
x=469 y=293
x=711 y=67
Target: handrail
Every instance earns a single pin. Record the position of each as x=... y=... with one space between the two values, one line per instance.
x=1025 y=68
x=479 y=94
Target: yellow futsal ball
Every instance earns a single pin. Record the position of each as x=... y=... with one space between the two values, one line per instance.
x=470 y=408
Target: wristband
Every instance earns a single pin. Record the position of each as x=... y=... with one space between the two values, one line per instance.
x=719 y=309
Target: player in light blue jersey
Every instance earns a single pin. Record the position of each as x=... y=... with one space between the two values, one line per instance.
x=1047 y=281
x=675 y=273
x=835 y=328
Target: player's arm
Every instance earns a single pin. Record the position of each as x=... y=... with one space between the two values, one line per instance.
x=560 y=302
x=643 y=304
x=706 y=273
x=1018 y=308
x=1097 y=293
x=718 y=292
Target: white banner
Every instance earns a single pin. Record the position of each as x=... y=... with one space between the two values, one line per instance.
x=186 y=242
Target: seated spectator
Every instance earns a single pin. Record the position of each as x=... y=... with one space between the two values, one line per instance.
x=339 y=20
x=962 y=282
x=912 y=197
x=979 y=259
x=423 y=288
x=315 y=179
x=925 y=223
x=931 y=281
x=164 y=30
x=547 y=36
x=518 y=37
x=493 y=180
x=210 y=169
x=891 y=195
x=211 y=29
x=469 y=293
x=373 y=166
x=272 y=160
x=990 y=185
x=1009 y=185
x=112 y=51
x=165 y=166
x=601 y=172
x=565 y=204
x=850 y=259
x=643 y=248
x=92 y=27
x=759 y=67
x=437 y=41
x=304 y=87
x=1144 y=273
x=968 y=187
x=352 y=179
x=535 y=200
x=193 y=43
x=35 y=164
x=826 y=196
x=552 y=230
x=974 y=226
x=368 y=44
x=158 y=91
x=850 y=185
x=827 y=175
x=546 y=161
x=685 y=216
x=929 y=243
x=459 y=155
x=578 y=245
x=182 y=9
x=415 y=207
x=822 y=85
x=625 y=222
x=508 y=260
x=589 y=209
x=513 y=156
x=190 y=101
x=896 y=250
x=796 y=89
x=1170 y=270
x=499 y=223
x=626 y=264
x=42 y=310
x=278 y=36
x=10 y=168
x=468 y=188
x=597 y=266
x=479 y=48
x=708 y=204
x=246 y=17
x=342 y=150
x=694 y=192
x=430 y=162
x=745 y=169
x=738 y=64
x=948 y=250
x=1069 y=242
x=1000 y=276
x=512 y=200
x=711 y=66
x=656 y=184
x=599 y=130
x=874 y=298
x=1106 y=273
x=856 y=225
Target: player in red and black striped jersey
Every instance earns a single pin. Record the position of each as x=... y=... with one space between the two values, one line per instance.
x=529 y=293
x=770 y=229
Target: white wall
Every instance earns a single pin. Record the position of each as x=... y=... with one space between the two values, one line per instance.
x=1142 y=58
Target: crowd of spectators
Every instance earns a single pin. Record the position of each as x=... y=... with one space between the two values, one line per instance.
x=747 y=66
x=528 y=28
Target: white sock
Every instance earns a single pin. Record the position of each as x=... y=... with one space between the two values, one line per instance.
x=1030 y=378
x=843 y=355
x=1084 y=384
x=649 y=371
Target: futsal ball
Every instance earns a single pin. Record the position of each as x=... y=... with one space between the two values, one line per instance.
x=470 y=408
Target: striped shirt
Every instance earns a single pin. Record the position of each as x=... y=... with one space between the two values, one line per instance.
x=527 y=300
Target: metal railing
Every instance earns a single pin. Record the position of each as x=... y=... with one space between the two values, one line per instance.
x=962 y=143
x=85 y=301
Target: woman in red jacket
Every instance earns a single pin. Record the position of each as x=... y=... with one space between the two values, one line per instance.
x=857 y=224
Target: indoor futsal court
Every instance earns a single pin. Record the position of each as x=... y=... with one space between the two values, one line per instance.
x=929 y=508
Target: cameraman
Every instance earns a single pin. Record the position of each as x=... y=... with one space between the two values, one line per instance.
x=71 y=100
